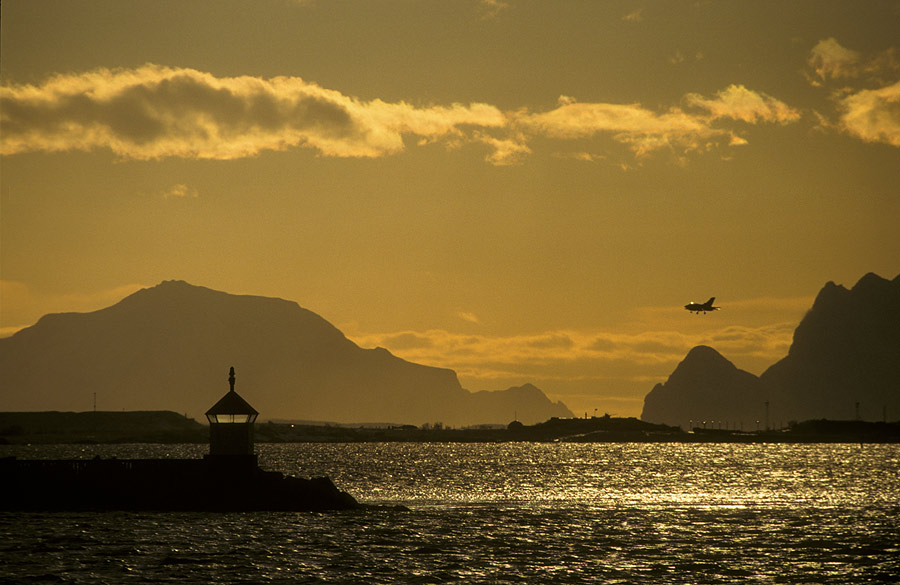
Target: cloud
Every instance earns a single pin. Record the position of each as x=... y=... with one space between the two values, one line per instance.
x=868 y=104
x=469 y=317
x=768 y=343
x=646 y=131
x=491 y=8
x=155 y=112
x=506 y=151
x=641 y=129
x=552 y=341
x=580 y=156
x=884 y=65
x=407 y=341
x=830 y=60
x=679 y=58
x=576 y=355
x=180 y=191
x=873 y=115
x=578 y=120
x=634 y=16
x=736 y=102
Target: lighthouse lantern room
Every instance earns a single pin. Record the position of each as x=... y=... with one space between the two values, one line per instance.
x=231 y=424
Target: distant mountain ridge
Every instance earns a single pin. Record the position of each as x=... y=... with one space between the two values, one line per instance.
x=170 y=347
x=846 y=350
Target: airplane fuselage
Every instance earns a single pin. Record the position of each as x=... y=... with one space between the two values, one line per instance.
x=702 y=307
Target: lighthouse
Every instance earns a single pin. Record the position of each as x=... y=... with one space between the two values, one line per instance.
x=231 y=425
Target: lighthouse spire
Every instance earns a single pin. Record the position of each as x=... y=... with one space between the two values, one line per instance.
x=231 y=378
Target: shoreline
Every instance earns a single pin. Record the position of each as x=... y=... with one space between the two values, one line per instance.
x=55 y=428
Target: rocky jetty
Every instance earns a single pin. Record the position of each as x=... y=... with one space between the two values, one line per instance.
x=227 y=479
x=208 y=484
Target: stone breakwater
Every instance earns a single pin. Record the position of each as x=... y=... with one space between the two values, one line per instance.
x=209 y=484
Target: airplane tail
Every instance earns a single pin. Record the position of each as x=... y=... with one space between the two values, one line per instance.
x=710 y=301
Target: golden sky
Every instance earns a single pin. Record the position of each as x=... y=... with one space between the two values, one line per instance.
x=523 y=191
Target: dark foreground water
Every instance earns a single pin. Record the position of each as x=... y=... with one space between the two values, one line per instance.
x=502 y=513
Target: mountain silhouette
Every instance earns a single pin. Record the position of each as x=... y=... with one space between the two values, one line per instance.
x=846 y=350
x=169 y=347
x=706 y=387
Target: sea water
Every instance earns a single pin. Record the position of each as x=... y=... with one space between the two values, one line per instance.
x=501 y=513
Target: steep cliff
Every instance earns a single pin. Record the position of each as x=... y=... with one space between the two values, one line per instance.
x=845 y=350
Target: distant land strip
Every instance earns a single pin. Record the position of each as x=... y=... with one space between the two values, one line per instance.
x=20 y=428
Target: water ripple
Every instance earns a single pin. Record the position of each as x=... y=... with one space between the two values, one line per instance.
x=508 y=513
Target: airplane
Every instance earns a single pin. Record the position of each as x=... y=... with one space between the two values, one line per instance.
x=704 y=307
